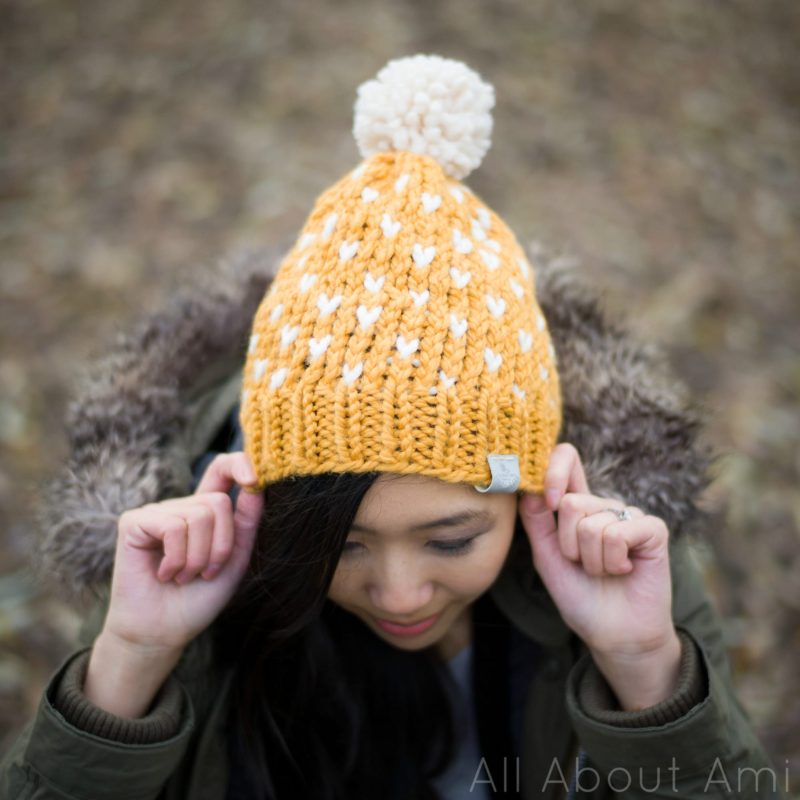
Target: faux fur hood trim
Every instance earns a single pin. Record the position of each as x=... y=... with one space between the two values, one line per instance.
x=637 y=430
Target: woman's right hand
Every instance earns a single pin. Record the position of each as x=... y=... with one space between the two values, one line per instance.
x=178 y=561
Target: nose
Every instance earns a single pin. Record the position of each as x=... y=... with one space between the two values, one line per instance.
x=399 y=590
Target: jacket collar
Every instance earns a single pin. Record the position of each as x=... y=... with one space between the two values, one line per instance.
x=130 y=428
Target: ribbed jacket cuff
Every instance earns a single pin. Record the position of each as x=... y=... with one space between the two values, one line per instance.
x=160 y=723
x=599 y=703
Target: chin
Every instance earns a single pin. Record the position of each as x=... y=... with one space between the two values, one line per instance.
x=411 y=643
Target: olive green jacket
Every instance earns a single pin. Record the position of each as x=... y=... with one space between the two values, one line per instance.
x=152 y=408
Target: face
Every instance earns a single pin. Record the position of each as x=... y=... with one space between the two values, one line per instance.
x=420 y=551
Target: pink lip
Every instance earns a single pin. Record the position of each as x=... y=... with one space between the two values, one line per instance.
x=407 y=630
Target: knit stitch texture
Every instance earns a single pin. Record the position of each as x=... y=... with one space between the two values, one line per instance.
x=401 y=334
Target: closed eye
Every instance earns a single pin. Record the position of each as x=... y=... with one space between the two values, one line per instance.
x=453 y=546
x=443 y=546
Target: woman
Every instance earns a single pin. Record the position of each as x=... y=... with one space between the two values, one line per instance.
x=333 y=610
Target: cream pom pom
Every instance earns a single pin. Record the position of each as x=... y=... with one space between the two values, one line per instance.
x=430 y=105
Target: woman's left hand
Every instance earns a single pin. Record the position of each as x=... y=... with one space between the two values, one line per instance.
x=609 y=578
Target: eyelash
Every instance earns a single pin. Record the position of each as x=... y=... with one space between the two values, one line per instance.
x=451 y=547
x=454 y=547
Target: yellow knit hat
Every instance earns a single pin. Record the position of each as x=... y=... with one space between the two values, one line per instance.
x=402 y=333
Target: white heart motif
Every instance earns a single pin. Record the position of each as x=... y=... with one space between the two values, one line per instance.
x=348 y=249
x=318 y=346
x=461 y=242
x=490 y=259
x=307 y=281
x=457 y=193
x=493 y=360
x=477 y=231
x=461 y=279
x=543 y=371
x=299 y=264
x=259 y=368
x=330 y=226
x=367 y=316
x=327 y=305
x=540 y=322
x=388 y=227
x=373 y=285
x=307 y=239
x=458 y=326
x=485 y=218
x=448 y=382
x=278 y=377
x=276 y=312
x=406 y=348
x=518 y=392
x=253 y=343
x=516 y=288
x=493 y=244
x=401 y=182
x=430 y=202
x=288 y=335
x=368 y=194
x=525 y=340
x=420 y=298
x=497 y=305
x=523 y=267
x=423 y=255
x=350 y=374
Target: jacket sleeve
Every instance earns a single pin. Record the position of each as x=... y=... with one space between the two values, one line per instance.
x=697 y=743
x=71 y=747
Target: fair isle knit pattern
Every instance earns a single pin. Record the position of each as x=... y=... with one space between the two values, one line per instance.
x=401 y=334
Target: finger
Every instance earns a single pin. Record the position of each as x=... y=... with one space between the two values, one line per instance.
x=220 y=504
x=646 y=537
x=222 y=544
x=564 y=474
x=576 y=506
x=615 y=550
x=603 y=545
x=607 y=543
x=174 y=534
x=589 y=534
x=540 y=525
x=246 y=519
x=226 y=470
x=142 y=528
x=200 y=521
x=573 y=508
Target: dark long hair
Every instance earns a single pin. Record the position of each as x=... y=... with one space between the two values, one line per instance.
x=322 y=708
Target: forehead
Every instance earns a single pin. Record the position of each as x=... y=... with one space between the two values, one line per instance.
x=401 y=501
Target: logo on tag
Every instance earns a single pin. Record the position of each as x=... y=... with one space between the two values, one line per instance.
x=505 y=473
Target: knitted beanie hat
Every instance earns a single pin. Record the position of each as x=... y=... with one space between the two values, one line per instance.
x=401 y=333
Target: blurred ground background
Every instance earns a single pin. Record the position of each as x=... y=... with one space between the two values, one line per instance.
x=657 y=142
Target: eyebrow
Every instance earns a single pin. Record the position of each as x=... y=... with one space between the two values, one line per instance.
x=452 y=521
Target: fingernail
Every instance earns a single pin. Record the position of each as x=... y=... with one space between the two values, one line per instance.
x=553 y=496
x=211 y=570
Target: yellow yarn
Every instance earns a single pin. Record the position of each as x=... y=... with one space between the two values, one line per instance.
x=401 y=334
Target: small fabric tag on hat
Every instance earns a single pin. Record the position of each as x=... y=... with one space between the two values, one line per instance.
x=505 y=473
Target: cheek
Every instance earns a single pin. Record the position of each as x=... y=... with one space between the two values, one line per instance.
x=477 y=571
x=344 y=585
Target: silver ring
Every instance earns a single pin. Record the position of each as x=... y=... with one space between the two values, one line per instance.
x=622 y=514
